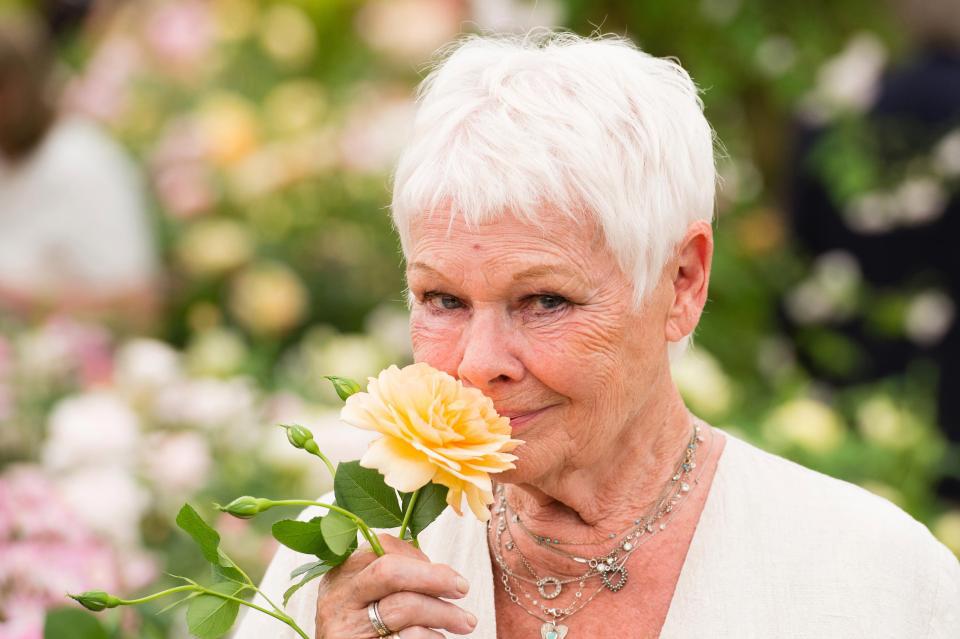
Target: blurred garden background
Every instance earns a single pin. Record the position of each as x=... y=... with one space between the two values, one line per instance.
x=193 y=231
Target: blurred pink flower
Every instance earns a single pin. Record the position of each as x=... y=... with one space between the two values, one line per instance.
x=177 y=464
x=102 y=91
x=45 y=552
x=180 y=33
x=181 y=177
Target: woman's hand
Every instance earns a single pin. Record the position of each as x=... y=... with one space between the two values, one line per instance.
x=408 y=587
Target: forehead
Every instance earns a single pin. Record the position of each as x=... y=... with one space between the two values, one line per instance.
x=554 y=237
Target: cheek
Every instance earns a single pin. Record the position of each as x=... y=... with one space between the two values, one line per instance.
x=578 y=357
x=435 y=342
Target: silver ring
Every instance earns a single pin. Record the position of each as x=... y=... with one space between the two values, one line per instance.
x=373 y=612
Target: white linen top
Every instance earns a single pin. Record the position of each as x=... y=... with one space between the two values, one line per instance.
x=780 y=551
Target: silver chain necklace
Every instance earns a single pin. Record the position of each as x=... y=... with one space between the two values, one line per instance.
x=606 y=565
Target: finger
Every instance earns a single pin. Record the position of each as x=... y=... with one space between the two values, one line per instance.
x=416 y=632
x=393 y=544
x=405 y=609
x=393 y=573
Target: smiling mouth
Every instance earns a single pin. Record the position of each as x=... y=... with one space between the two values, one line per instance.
x=519 y=419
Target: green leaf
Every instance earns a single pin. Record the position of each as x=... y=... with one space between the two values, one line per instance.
x=318 y=569
x=206 y=537
x=338 y=532
x=363 y=492
x=209 y=616
x=307 y=567
x=431 y=502
x=227 y=573
x=70 y=623
x=344 y=386
x=304 y=536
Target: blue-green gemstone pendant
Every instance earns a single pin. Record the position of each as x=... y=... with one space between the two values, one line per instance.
x=551 y=630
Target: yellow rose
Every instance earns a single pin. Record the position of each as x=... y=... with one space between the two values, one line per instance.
x=434 y=429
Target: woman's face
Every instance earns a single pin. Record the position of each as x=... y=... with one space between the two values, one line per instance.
x=541 y=320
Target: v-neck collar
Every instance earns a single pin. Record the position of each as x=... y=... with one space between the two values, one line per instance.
x=463 y=545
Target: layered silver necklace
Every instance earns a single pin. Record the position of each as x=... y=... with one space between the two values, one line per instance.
x=610 y=566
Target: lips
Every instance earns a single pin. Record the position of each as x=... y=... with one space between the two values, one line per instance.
x=520 y=417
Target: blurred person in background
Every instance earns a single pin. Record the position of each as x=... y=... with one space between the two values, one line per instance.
x=891 y=226
x=74 y=231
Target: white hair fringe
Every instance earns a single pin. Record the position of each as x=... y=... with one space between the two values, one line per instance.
x=591 y=127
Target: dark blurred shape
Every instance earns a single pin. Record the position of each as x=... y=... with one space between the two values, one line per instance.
x=26 y=100
x=65 y=17
x=916 y=105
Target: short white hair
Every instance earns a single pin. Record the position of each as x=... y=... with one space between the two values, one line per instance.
x=590 y=126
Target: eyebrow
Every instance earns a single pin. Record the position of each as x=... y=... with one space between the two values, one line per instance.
x=534 y=272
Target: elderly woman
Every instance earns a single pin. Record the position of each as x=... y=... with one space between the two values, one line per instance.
x=554 y=208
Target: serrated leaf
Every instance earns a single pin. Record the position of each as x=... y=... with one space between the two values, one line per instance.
x=227 y=573
x=338 y=532
x=202 y=533
x=70 y=623
x=431 y=502
x=344 y=386
x=303 y=536
x=308 y=576
x=363 y=492
x=211 y=617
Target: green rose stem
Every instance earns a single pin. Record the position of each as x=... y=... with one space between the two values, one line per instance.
x=246 y=507
x=301 y=437
x=406 y=518
x=94 y=603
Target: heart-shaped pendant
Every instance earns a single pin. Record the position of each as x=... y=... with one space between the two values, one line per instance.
x=551 y=630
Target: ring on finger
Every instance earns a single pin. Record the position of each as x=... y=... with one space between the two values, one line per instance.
x=373 y=612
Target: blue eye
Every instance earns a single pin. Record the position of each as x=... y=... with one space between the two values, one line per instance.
x=442 y=301
x=546 y=303
x=551 y=302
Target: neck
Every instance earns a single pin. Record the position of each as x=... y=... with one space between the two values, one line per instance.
x=585 y=503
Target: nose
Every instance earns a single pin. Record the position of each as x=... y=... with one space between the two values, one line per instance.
x=488 y=359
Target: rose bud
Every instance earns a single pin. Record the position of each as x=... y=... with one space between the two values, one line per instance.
x=245 y=507
x=96 y=600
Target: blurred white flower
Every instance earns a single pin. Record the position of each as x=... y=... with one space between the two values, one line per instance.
x=947 y=154
x=720 y=11
x=108 y=500
x=884 y=423
x=776 y=54
x=929 y=316
x=504 y=16
x=144 y=365
x=703 y=383
x=206 y=403
x=871 y=213
x=389 y=324
x=94 y=429
x=921 y=200
x=805 y=423
x=848 y=81
x=829 y=293
x=409 y=30
x=177 y=464
x=216 y=352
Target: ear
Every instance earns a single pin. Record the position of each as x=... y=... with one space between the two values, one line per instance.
x=690 y=274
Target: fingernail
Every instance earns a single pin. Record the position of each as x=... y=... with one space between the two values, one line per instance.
x=472 y=620
x=462 y=586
